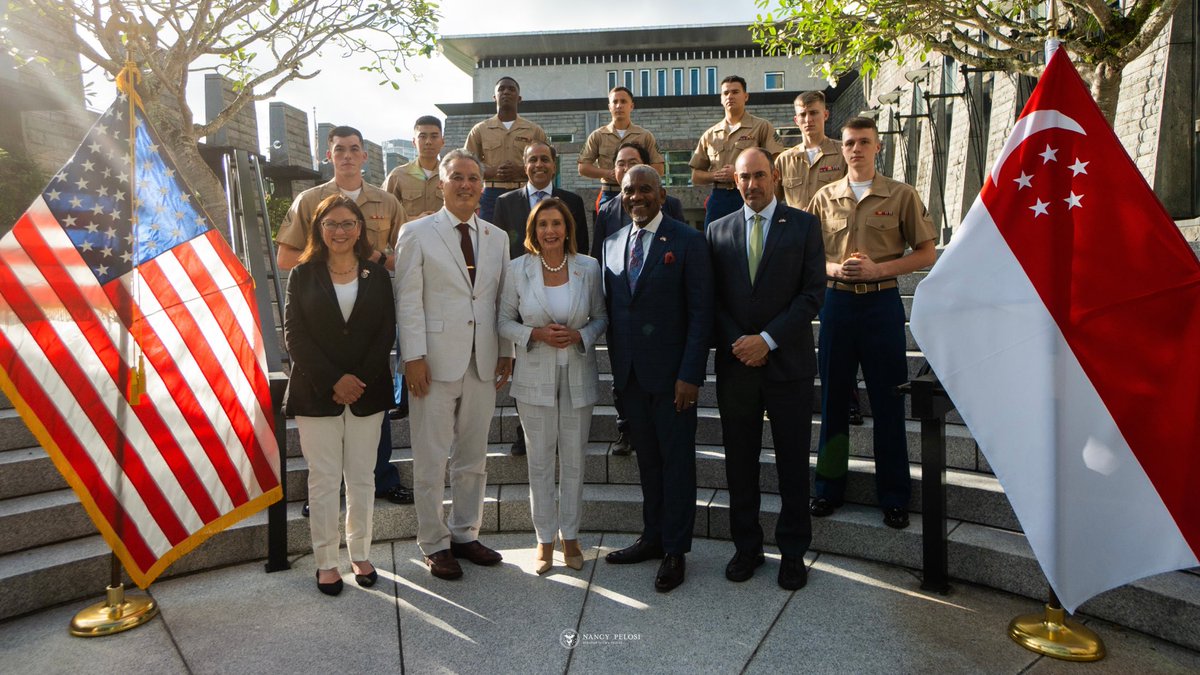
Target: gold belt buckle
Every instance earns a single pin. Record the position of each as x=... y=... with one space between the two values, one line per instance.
x=859 y=289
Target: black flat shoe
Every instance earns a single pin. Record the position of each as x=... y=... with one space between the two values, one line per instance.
x=895 y=518
x=367 y=580
x=822 y=507
x=741 y=567
x=670 y=572
x=397 y=495
x=639 y=551
x=304 y=510
x=332 y=588
x=793 y=574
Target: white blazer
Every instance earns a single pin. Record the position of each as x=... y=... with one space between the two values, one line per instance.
x=440 y=315
x=523 y=307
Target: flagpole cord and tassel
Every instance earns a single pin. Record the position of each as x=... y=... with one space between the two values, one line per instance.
x=119 y=612
x=1052 y=633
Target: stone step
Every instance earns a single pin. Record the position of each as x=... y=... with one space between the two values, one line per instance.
x=1166 y=606
x=915 y=360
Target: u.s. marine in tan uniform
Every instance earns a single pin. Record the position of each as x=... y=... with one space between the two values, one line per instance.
x=416 y=184
x=868 y=221
x=817 y=161
x=500 y=143
x=383 y=211
x=596 y=157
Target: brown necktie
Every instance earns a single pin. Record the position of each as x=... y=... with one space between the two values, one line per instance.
x=467 y=249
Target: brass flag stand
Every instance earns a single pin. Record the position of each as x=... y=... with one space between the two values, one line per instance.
x=1052 y=634
x=117 y=612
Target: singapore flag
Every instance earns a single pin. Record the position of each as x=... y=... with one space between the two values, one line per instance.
x=1064 y=322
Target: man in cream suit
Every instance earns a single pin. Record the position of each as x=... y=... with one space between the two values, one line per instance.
x=450 y=268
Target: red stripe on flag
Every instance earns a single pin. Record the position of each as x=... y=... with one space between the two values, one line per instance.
x=165 y=442
x=207 y=360
x=89 y=400
x=210 y=442
x=243 y=351
x=245 y=283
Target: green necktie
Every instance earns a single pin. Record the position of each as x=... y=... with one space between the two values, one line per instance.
x=756 y=245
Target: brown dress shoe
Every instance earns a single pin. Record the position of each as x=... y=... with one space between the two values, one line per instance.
x=476 y=553
x=443 y=565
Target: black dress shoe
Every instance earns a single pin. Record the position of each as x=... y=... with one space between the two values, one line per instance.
x=639 y=551
x=621 y=446
x=366 y=580
x=518 y=448
x=331 y=588
x=397 y=495
x=822 y=506
x=793 y=574
x=741 y=567
x=856 y=417
x=304 y=509
x=670 y=572
x=895 y=518
x=476 y=553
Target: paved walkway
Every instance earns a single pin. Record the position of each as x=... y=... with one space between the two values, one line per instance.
x=853 y=617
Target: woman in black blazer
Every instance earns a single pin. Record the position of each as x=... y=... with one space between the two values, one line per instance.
x=339 y=327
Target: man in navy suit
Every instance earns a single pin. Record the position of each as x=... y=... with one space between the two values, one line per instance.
x=659 y=290
x=513 y=207
x=610 y=218
x=769 y=265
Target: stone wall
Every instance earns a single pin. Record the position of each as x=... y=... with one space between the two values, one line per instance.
x=241 y=131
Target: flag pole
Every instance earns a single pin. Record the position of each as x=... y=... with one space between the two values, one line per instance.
x=1050 y=632
x=119 y=612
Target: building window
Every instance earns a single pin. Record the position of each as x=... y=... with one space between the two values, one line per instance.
x=773 y=81
x=694 y=78
x=677 y=76
x=645 y=77
x=677 y=172
x=662 y=81
x=612 y=79
x=710 y=80
x=629 y=80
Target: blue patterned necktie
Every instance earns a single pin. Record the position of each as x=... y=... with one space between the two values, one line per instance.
x=636 y=258
x=539 y=196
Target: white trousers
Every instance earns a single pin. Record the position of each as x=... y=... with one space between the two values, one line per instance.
x=450 y=429
x=546 y=428
x=336 y=449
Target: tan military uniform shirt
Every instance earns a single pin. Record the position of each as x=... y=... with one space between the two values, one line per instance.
x=718 y=147
x=383 y=213
x=492 y=143
x=800 y=179
x=889 y=219
x=602 y=144
x=417 y=194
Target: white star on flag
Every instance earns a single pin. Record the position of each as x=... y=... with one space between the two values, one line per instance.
x=1073 y=201
x=1024 y=181
x=1078 y=167
x=1039 y=208
x=1049 y=155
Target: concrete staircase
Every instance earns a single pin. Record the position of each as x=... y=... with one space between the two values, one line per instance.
x=50 y=553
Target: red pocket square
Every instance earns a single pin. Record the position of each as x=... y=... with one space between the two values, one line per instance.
x=669 y=258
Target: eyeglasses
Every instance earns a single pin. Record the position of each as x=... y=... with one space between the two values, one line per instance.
x=344 y=226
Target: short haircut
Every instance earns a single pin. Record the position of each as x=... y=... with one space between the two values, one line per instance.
x=642 y=151
x=453 y=156
x=553 y=152
x=735 y=78
x=428 y=120
x=643 y=169
x=621 y=88
x=808 y=98
x=531 y=243
x=315 y=248
x=755 y=148
x=861 y=123
x=510 y=79
x=343 y=132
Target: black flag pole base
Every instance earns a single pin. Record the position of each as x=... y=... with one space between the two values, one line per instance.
x=1052 y=634
x=118 y=612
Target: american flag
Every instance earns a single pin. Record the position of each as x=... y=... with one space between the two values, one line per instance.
x=84 y=295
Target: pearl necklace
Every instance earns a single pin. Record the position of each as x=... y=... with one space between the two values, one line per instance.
x=553 y=269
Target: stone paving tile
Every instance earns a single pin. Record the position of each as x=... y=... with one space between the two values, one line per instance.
x=857 y=616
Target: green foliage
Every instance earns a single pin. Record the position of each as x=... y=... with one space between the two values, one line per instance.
x=21 y=185
x=277 y=209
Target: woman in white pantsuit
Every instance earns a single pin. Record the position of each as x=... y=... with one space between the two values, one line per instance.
x=339 y=325
x=552 y=307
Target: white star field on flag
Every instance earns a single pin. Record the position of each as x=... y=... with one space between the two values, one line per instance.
x=1044 y=178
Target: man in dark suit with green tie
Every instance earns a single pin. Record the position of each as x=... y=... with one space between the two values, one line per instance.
x=769 y=271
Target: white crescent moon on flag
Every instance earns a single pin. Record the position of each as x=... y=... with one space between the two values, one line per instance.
x=1038 y=120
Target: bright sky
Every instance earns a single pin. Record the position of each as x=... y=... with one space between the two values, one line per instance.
x=382 y=113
